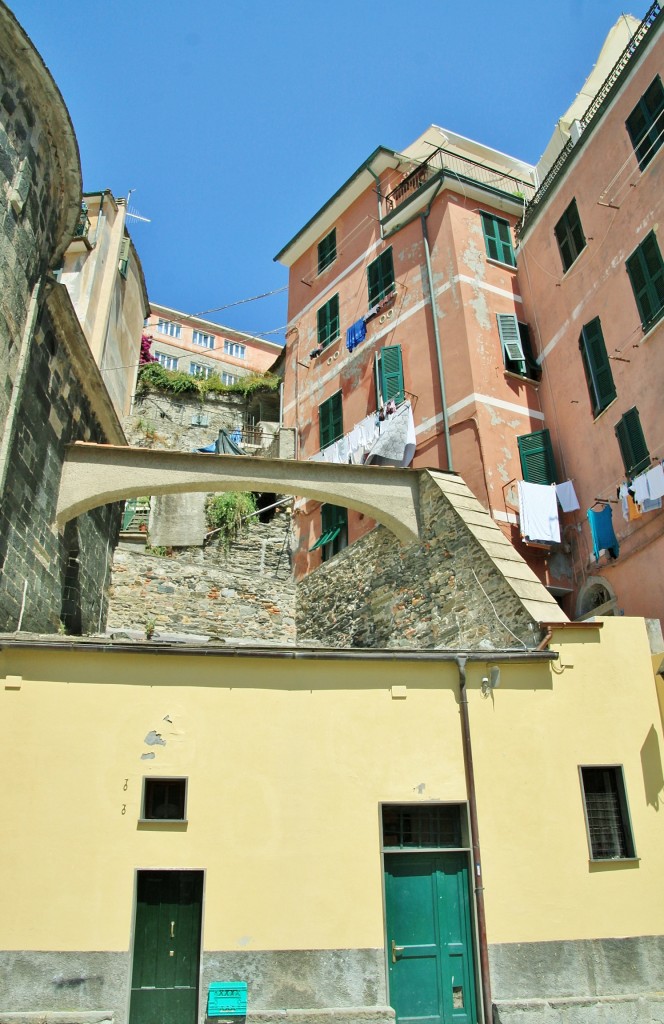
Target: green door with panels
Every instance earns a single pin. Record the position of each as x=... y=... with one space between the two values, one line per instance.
x=167 y=942
x=429 y=938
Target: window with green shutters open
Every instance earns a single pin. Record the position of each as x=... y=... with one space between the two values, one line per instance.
x=536 y=454
x=380 y=277
x=327 y=250
x=569 y=235
x=328 y=322
x=330 y=420
x=515 y=343
x=646 y=273
x=633 y=447
x=646 y=123
x=596 y=363
x=498 y=239
x=390 y=371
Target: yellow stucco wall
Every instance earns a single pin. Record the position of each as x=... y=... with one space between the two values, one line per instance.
x=287 y=762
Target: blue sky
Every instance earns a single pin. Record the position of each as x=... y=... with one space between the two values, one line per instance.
x=234 y=121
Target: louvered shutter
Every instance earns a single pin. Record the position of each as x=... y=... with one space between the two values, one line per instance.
x=632 y=443
x=597 y=366
x=391 y=374
x=330 y=420
x=510 y=338
x=536 y=454
x=646 y=273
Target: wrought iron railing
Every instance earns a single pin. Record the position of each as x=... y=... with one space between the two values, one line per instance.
x=463 y=169
x=593 y=109
x=83 y=226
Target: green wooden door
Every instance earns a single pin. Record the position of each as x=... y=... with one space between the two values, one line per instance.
x=429 y=938
x=167 y=941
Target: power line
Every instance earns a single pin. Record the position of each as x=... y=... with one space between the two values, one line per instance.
x=253 y=298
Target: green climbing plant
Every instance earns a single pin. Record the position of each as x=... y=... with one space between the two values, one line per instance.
x=154 y=377
x=225 y=512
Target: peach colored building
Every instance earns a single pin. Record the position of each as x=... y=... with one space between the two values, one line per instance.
x=200 y=347
x=591 y=273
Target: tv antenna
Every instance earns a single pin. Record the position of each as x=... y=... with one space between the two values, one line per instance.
x=134 y=214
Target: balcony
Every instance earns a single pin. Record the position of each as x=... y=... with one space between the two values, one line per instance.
x=80 y=241
x=420 y=185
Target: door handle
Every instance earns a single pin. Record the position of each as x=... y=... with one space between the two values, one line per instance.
x=395 y=950
x=172 y=929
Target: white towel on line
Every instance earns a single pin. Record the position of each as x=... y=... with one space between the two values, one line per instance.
x=538 y=512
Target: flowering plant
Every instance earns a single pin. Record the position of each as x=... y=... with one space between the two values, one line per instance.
x=146 y=355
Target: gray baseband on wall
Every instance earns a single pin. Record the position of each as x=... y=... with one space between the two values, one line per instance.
x=57 y=1017
x=591 y=981
x=58 y=987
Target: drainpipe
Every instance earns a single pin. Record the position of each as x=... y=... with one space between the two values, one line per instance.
x=478 y=886
x=380 y=210
x=439 y=357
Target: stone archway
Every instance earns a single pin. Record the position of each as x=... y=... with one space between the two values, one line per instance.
x=595 y=597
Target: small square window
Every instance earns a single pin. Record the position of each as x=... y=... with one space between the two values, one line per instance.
x=569 y=235
x=327 y=251
x=646 y=123
x=164 y=799
x=607 y=815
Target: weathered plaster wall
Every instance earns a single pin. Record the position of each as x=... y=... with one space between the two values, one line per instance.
x=243 y=594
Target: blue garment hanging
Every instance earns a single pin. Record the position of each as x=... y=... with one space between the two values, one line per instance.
x=603 y=534
x=356 y=333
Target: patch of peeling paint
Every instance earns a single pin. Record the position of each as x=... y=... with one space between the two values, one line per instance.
x=154 y=739
x=148 y=756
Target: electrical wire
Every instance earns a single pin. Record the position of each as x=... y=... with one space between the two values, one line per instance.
x=493 y=608
x=239 y=302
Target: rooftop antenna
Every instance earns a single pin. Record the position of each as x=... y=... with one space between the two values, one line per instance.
x=134 y=213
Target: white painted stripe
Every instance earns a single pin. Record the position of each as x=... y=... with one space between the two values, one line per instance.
x=552 y=344
x=318 y=301
x=476 y=283
x=505 y=517
x=521 y=410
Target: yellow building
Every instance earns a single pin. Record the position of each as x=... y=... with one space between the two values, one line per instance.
x=299 y=819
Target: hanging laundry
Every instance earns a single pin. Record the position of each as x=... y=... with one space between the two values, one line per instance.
x=538 y=513
x=356 y=333
x=655 y=477
x=601 y=529
x=624 y=499
x=567 y=496
x=640 y=488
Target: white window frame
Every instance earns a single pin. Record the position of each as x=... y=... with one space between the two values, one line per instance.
x=234 y=348
x=228 y=378
x=203 y=339
x=167 y=361
x=169 y=328
x=200 y=370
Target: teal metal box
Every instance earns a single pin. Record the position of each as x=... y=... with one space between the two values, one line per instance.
x=227 y=999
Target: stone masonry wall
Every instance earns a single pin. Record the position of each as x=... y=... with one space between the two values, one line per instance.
x=54 y=576
x=243 y=594
x=377 y=593
x=168 y=421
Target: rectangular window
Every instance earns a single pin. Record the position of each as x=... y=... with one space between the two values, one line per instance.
x=168 y=362
x=607 y=815
x=327 y=251
x=380 y=277
x=164 y=799
x=334 y=531
x=228 y=378
x=390 y=368
x=498 y=239
x=597 y=366
x=569 y=235
x=202 y=339
x=536 y=455
x=198 y=370
x=646 y=273
x=328 y=322
x=330 y=420
x=416 y=827
x=169 y=328
x=510 y=340
x=234 y=348
x=646 y=123
x=632 y=443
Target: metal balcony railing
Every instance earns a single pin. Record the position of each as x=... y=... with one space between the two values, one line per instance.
x=83 y=226
x=462 y=169
x=594 y=108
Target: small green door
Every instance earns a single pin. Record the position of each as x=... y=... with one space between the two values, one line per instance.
x=167 y=942
x=429 y=938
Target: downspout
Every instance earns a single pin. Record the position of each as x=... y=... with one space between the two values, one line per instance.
x=478 y=885
x=380 y=209
x=439 y=357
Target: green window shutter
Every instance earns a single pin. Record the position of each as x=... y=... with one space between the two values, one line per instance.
x=498 y=239
x=380 y=277
x=328 y=322
x=597 y=366
x=569 y=235
x=330 y=420
x=391 y=374
x=632 y=443
x=327 y=250
x=123 y=262
x=646 y=123
x=536 y=454
x=646 y=273
x=510 y=339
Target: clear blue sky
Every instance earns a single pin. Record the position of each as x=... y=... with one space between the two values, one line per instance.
x=235 y=121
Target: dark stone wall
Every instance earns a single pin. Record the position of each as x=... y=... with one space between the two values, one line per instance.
x=378 y=593
x=67 y=574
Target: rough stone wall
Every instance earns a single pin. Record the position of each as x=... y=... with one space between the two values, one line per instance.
x=243 y=594
x=377 y=593
x=53 y=576
x=166 y=421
